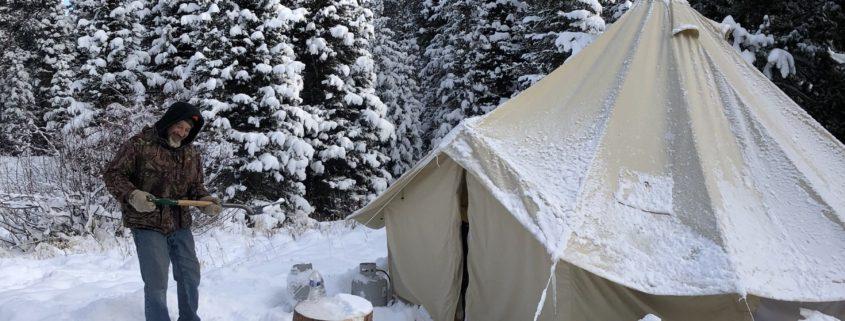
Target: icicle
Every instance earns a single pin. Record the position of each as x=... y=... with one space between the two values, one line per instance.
x=543 y=296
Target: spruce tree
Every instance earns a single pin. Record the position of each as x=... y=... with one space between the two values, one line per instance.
x=17 y=102
x=177 y=33
x=614 y=9
x=396 y=54
x=552 y=31
x=350 y=165
x=470 y=61
x=110 y=88
x=248 y=80
x=25 y=75
x=57 y=67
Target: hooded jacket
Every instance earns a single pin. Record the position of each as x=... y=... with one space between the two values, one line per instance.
x=146 y=162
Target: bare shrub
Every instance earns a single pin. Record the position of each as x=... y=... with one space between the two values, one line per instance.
x=61 y=194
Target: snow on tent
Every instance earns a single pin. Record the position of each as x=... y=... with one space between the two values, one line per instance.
x=654 y=172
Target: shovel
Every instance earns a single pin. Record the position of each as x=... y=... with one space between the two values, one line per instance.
x=250 y=211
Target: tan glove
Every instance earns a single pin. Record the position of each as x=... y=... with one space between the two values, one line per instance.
x=138 y=200
x=214 y=209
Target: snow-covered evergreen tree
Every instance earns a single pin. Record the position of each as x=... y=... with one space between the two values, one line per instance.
x=56 y=68
x=110 y=89
x=350 y=165
x=614 y=9
x=25 y=73
x=178 y=28
x=442 y=74
x=248 y=81
x=17 y=101
x=495 y=54
x=471 y=60
x=551 y=31
x=395 y=53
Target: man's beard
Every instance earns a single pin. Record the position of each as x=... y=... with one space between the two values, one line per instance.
x=174 y=141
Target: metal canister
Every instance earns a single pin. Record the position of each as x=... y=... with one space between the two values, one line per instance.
x=371 y=285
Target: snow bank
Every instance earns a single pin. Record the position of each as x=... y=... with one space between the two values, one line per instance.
x=338 y=307
x=244 y=276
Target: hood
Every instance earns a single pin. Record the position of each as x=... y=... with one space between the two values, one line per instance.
x=177 y=112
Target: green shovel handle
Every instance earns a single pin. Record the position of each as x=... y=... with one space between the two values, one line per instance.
x=171 y=202
x=162 y=201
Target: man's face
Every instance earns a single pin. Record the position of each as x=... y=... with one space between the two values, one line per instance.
x=178 y=131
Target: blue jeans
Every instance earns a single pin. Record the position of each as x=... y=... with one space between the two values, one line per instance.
x=155 y=253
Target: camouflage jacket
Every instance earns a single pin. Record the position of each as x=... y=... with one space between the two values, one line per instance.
x=145 y=163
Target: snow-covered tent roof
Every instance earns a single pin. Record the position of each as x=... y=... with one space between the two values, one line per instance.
x=657 y=140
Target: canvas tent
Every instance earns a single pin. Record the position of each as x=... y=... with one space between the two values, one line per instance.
x=654 y=172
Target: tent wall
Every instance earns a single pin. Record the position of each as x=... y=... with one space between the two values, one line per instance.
x=774 y=310
x=372 y=215
x=590 y=297
x=423 y=239
x=509 y=270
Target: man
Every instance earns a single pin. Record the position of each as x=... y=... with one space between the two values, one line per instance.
x=161 y=162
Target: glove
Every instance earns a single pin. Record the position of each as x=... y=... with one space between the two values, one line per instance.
x=138 y=200
x=213 y=209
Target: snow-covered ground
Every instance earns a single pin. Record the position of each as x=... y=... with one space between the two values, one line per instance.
x=244 y=275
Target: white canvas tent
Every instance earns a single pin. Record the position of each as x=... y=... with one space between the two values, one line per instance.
x=654 y=172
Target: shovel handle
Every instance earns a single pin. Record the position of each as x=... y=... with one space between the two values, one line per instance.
x=193 y=203
x=171 y=202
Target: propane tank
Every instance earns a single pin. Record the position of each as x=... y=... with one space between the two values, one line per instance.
x=298 y=281
x=370 y=285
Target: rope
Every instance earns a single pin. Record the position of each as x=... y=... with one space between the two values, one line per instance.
x=542 y=300
x=745 y=300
